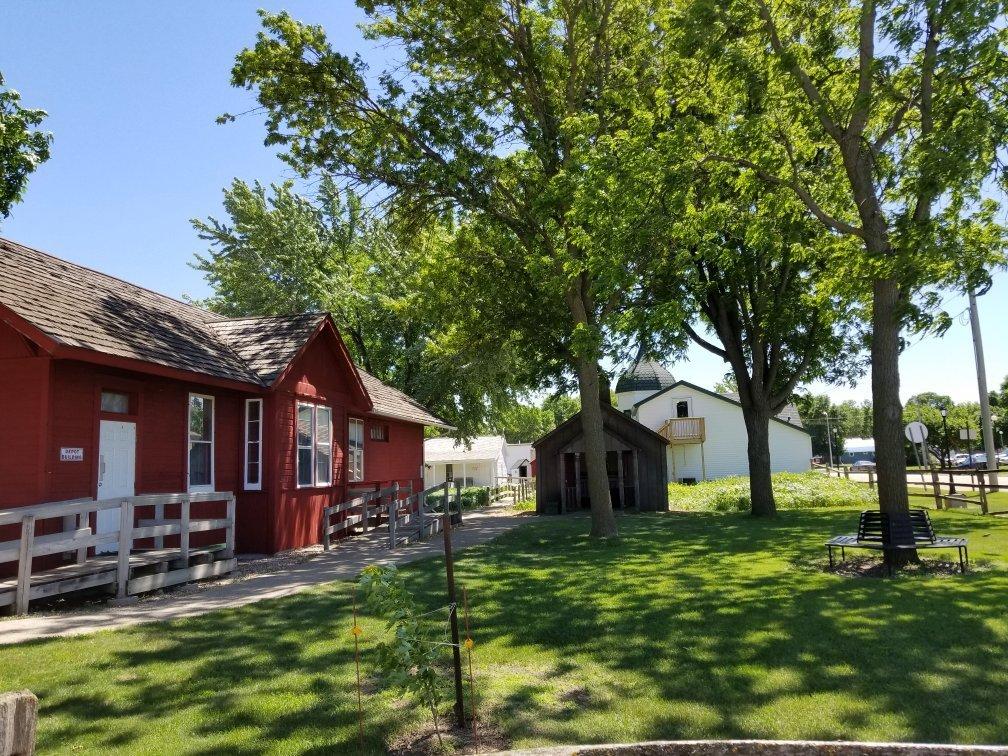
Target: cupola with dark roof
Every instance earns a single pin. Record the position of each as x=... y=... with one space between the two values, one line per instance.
x=645 y=376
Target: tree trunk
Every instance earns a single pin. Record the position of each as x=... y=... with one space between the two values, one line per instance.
x=603 y=520
x=887 y=411
x=760 y=483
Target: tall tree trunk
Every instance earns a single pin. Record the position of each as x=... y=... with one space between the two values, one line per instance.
x=603 y=519
x=887 y=411
x=757 y=421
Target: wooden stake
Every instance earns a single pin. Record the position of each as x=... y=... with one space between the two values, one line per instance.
x=472 y=688
x=453 y=617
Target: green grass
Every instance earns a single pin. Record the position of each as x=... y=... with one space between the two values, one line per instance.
x=688 y=626
x=807 y=490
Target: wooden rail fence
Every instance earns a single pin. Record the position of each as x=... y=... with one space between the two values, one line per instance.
x=132 y=568
x=978 y=482
x=408 y=518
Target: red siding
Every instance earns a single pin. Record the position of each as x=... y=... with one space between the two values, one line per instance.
x=48 y=404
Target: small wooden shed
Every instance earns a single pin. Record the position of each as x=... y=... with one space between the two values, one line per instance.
x=635 y=463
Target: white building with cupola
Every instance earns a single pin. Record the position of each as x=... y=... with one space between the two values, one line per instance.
x=705 y=429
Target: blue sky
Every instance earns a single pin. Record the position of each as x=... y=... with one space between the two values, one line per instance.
x=132 y=91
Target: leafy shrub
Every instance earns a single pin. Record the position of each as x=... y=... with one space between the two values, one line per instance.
x=472 y=497
x=805 y=490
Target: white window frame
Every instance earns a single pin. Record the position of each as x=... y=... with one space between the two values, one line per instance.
x=315 y=439
x=190 y=442
x=314 y=446
x=352 y=453
x=249 y=486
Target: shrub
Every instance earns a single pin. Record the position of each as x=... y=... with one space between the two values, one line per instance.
x=472 y=497
x=805 y=490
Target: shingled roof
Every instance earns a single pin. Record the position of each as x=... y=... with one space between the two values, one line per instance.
x=80 y=307
x=267 y=344
x=76 y=306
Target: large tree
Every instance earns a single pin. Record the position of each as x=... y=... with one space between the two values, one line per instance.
x=887 y=119
x=751 y=272
x=23 y=147
x=281 y=252
x=493 y=117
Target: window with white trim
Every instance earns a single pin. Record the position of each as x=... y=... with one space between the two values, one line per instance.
x=355 y=450
x=314 y=445
x=201 y=442
x=253 y=444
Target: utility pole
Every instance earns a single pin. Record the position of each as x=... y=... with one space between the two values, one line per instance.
x=829 y=440
x=985 y=410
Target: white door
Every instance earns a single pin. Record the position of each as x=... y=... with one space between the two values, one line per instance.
x=116 y=472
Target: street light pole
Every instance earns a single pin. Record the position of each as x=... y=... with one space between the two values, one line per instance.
x=829 y=439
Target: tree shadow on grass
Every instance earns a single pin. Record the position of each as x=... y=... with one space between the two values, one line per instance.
x=688 y=626
x=708 y=614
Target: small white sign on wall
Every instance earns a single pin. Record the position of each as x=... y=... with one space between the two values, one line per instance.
x=71 y=454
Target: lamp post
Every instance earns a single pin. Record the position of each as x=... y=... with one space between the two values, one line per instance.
x=948 y=454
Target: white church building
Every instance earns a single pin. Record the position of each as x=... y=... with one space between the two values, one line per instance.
x=705 y=429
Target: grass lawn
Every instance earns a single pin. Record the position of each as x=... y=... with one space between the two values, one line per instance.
x=692 y=625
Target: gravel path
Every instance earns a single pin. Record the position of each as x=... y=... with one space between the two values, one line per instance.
x=256 y=580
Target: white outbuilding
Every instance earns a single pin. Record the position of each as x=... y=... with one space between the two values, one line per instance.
x=479 y=462
x=706 y=430
x=519 y=460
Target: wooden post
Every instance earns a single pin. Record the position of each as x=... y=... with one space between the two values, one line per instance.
x=619 y=478
x=982 y=480
x=421 y=502
x=365 y=501
x=453 y=616
x=636 y=482
x=577 y=480
x=23 y=594
x=458 y=499
x=159 y=515
x=937 y=488
x=563 y=482
x=846 y=471
x=393 y=506
x=184 y=512
x=229 y=549
x=703 y=461
x=871 y=480
x=125 y=544
x=82 y=522
x=159 y=512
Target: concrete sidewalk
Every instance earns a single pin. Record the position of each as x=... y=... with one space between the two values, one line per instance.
x=344 y=562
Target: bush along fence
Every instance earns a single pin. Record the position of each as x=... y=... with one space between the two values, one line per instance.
x=409 y=516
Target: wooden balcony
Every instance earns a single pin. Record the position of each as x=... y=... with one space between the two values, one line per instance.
x=684 y=430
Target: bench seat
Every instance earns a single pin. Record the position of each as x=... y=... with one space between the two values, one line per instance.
x=874 y=532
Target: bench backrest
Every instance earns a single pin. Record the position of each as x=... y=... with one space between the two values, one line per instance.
x=876 y=527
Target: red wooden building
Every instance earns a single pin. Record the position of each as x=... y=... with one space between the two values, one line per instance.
x=108 y=389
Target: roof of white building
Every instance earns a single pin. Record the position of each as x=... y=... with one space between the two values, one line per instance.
x=449 y=450
x=788 y=416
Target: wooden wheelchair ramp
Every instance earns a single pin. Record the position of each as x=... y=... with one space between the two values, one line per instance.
x=162 y=540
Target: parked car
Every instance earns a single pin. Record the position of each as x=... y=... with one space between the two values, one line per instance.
x=966 y=460
x=863 y=465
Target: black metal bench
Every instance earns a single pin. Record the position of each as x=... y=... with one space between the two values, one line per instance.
x=876 y=530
